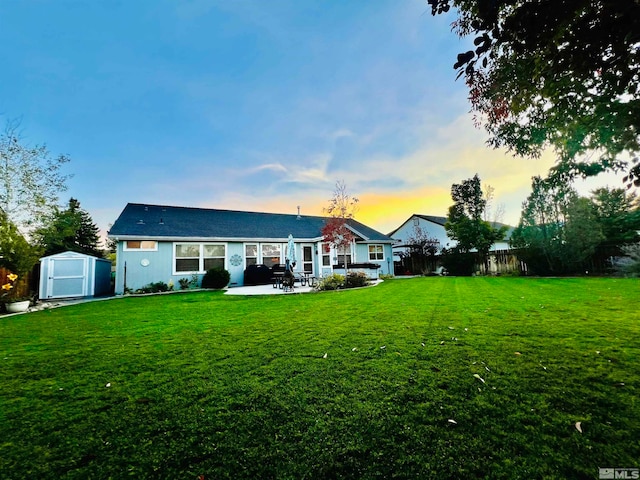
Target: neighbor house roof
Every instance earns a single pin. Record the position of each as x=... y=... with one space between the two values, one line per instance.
x=162 y=222
x=442 y=220
x=429 y=218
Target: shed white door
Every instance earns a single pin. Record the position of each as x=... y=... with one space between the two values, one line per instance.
x=67 y=277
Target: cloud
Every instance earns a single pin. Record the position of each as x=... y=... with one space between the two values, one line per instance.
x=274 y=167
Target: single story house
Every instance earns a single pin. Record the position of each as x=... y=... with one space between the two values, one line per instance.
x=168 y=243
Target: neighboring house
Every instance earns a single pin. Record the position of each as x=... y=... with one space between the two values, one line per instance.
x=166 y=243
x=433 y=227
x=418 y=226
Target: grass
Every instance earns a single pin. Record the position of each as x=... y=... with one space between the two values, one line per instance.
x=348 y=384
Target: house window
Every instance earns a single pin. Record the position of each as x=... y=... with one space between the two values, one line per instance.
x=271 y=254
x=213 y=256
x=187 y=257
x=196 y=257
x=140 y=245
x=376 y=252
x=326 y=254
x=344 y=253
x=251 y=254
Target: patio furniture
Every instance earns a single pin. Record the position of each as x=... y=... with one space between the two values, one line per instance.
x=306 y=278
x=258 y=274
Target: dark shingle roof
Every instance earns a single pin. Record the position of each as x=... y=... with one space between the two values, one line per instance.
x=168 y=222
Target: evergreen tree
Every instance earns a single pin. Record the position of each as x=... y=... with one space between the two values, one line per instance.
x=616 y=213
x=71 y=229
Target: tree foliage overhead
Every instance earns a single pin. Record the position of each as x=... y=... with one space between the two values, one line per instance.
x=555 y=73
x=30 y=179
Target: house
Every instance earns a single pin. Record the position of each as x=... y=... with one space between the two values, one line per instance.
x=431 y=227
x=168 y=243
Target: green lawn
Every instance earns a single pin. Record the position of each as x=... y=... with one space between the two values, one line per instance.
x=350 y=384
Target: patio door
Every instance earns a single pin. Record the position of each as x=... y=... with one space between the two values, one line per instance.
x=307 y=258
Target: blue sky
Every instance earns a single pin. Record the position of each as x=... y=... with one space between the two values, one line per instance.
x=250 y=105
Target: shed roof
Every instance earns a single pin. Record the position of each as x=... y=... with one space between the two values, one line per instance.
x=72 y=254
x=163 y=222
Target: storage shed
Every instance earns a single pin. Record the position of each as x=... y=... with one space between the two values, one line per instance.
x=73 y=275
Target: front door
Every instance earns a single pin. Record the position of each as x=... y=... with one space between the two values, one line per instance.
x=307 y=259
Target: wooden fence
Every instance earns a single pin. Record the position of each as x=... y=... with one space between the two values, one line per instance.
x=25 y=284
x=506 y=262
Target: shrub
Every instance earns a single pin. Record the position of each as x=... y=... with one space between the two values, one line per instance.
x=458 y=263
x=331 y=282
x=153 y=288
x=386 y=276
x=216 y=278
x=184 y=283
x=357 y=279
x=630 y=263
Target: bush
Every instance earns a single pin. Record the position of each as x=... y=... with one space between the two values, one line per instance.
x=331 y=282
x=357 y=279
x=153 y=288
x=184 y=283
x=458 y=263
x=216 y=278
x=630 y=263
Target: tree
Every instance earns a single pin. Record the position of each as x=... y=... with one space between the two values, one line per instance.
x=562 y=74
x=492 y=214
x=336 y=231
x=30 y=180
x=71 y=229
x=16 y=254
x=465 y=222
x=421 y=251
x=558 y=230
x=617 y=215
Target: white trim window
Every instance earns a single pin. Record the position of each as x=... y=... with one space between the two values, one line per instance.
x=325 y=249
x=376 y=252
x=344 y=253
x=271 y=253
x=140 y=245
x=214 y=255
x=198 y=257
x=251 y=253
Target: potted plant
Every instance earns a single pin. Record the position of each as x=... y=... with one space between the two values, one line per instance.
x=12 y=302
